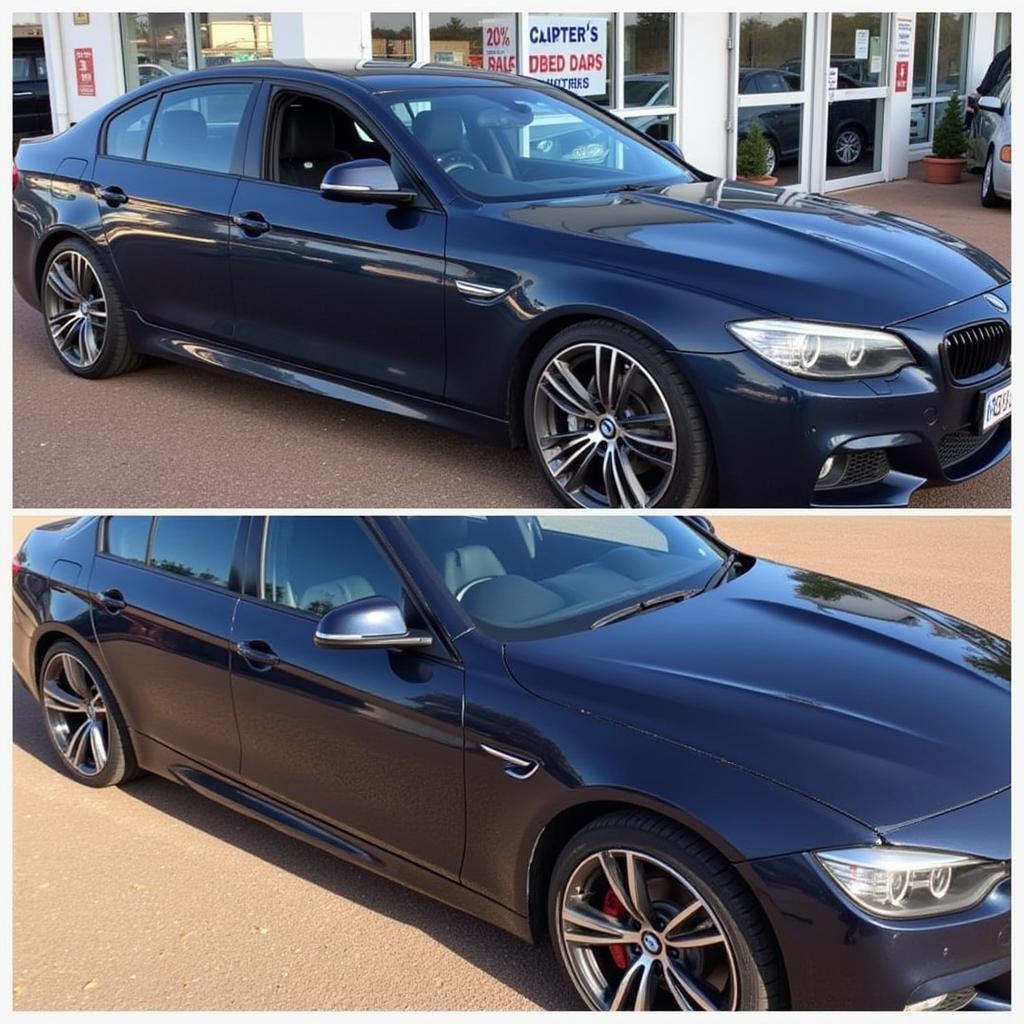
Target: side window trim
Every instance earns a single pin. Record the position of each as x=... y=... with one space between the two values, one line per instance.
x=103 y=543
x=105 y=130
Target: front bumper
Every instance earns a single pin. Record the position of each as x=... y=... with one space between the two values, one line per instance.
x=839 y=958
x=772 y=432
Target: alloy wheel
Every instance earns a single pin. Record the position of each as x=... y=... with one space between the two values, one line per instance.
x=76 y=714
x=75 y=307
x=638 y=936
x=603 y=428
x=986 y=181
x=847 y=147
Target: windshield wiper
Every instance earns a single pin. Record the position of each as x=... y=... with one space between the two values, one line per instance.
x=642 y=606
x=720 y=574
x=634 y=186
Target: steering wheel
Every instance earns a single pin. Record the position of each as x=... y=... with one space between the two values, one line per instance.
x=472 y=583
x=456 y=159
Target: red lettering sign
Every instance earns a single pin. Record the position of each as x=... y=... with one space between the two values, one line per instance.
x=902 y=74
x=84 y=74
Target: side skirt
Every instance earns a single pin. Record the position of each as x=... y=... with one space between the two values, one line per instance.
x=157 y=341
x=161 y=760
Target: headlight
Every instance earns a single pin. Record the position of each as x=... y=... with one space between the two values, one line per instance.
x=823 y=350
x=894 y=882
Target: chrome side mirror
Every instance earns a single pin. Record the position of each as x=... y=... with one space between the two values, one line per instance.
x=703 y=523
x=368 y=622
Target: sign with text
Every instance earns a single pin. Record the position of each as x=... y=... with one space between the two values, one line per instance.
x=84 y=73
x=500 y=44
x=571 y=51
x=902 y=74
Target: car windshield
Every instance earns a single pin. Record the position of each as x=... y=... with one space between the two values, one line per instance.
x=525 y=577
x=507 y=143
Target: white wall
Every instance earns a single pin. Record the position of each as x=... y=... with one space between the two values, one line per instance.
x=704 y=96
x=62 y=37
x=318 y=34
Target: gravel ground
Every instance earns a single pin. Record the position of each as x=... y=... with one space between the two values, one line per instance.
x=150 y=897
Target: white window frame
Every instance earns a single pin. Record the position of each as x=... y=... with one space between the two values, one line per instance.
x=932 y=98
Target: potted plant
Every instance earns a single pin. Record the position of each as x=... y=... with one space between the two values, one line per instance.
x=946 y=161
x=752 y=155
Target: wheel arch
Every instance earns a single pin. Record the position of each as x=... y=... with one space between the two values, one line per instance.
x=49 y=242
x=52 y=633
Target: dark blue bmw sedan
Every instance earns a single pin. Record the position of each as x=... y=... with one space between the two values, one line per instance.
x=712 y=782
x=491 y=253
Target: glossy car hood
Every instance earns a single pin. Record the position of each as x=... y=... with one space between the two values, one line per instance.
x=779 y=250
x=876 y=706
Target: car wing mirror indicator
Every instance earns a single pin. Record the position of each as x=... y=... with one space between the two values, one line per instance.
x=368 y=622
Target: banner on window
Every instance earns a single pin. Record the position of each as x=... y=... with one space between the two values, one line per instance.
x=500 y=44
x=570 y=51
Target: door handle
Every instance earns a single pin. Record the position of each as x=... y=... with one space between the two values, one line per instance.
x=112 y=195
x=515 y=767
x=112 y=600
x=18 y=95
x=251 y=223
x=257 y=653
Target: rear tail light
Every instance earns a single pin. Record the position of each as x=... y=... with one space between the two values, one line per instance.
x=16 y=177
x=15 y=567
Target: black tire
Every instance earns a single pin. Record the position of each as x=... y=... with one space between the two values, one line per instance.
x=988 y=192
x=691 y=480
x=116 y=354
x=775 y=160
x=758 y=963
x=121 y=765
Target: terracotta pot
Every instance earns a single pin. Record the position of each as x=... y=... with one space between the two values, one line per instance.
x=767 y=180
x=939 y=170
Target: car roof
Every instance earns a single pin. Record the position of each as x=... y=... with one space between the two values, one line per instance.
x=373 y=75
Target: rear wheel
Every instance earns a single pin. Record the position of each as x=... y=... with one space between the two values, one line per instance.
x=646 y=916
x=82 y=718
x=988 y=192
x=847 y=146
x=83 y=313
x=612 y=421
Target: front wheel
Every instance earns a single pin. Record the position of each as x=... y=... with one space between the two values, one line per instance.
x=988 y=191
x=848 y=146
x=646 y=916
x=613 y=423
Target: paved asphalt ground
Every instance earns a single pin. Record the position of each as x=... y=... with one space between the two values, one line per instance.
x=150 y=897
x=174 y=436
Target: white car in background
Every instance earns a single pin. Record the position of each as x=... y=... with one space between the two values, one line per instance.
x=989 y=145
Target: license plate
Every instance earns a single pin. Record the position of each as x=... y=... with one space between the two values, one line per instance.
x=995 y=407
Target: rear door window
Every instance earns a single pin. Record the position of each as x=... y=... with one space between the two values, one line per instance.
x=198 y=127
x=201 y=548
x=126 y=132
x=128 y=537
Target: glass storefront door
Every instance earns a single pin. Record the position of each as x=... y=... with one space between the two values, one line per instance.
x=850 y=125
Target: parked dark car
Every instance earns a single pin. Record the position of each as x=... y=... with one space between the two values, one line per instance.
x=392 y=236
x=851 y=123
x=31 y=89
x=715 y=782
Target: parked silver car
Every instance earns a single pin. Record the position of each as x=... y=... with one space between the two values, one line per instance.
x=989 y=145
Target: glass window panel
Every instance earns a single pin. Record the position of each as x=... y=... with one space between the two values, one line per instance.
x=920 y=123
x=126 y=133
x=857 y=49
x=782 y=126
x=562 y=52
x=232 y=38
x=924 y=47
x=659 y=127
x=316 y=563
x=153 y=46
x=1003 y=27
x=200 y=547
x=773 y=41
x=128 y=537
x=197 y=127
x=648 y=59
x=486 y=41
x=22 y=69
x=854 y=127
x=951 y=64
x=393 y=36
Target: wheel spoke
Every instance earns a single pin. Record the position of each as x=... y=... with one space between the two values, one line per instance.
x=612 y=484
x=687 y=992
x=647 y=420
x=75 y=674
x=595 y=928
x=632 y=481
x=624 y=387
x=575 y=481
x=550 y=440
x=557 y=396
x=562 y=461
x=75 y=749
x=643 y=439
x=647 y=988
x=681 y=918
x=655 y=460
x=62 y=284
x=56 y=698
x=626 y=983
x=609 y=402
x=98 y=744
x=617 y=884
x=88 y=349
x=574 y=383
x=696 y=940
x=636 y=880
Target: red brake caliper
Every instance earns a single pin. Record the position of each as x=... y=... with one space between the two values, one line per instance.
x=613 y=907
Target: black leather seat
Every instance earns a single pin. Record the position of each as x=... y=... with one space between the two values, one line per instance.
x=308 y=148
x=180 y=137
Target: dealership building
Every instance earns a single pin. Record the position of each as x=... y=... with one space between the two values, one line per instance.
x=847 y=98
